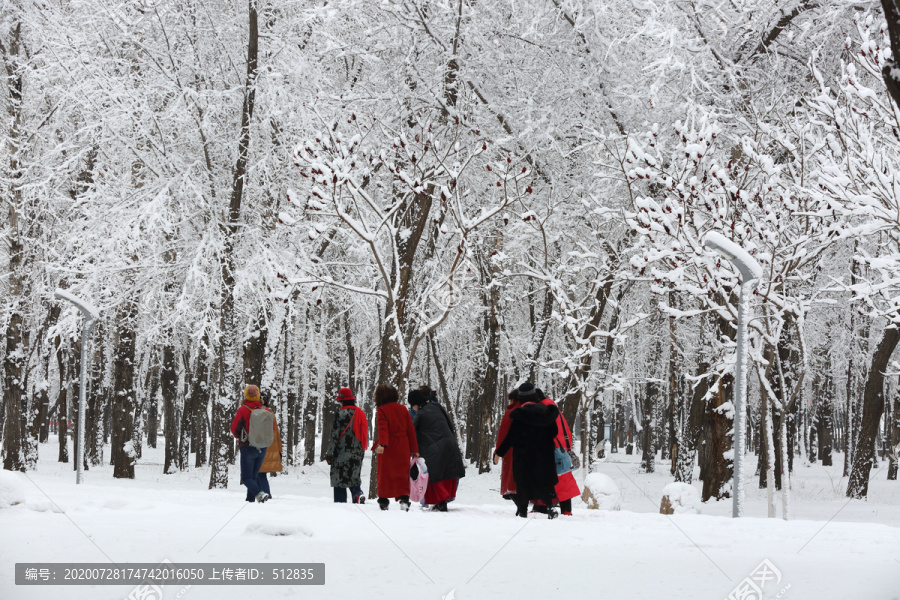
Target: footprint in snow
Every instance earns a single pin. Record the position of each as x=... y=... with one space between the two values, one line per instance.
x=279 y=529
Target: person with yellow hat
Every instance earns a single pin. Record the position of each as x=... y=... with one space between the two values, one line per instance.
x=254 y=427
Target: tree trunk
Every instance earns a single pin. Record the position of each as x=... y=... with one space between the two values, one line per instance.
x=62 y=400
x=226 y=375
x=75 y=382
x=488 y=376
x=186 y=426
x=873 y=407
x=716 y=471
x=648 y=435
x=310 y=410
x=824 y=426
x=124 y=398
x=97 y=403
x=14 y=396
x=14 y=362
x=200 y=404
x=153 y=402
x=168 y=380
x=255 y=350
x=574 y=386
x=329 y=408
x=894 y=450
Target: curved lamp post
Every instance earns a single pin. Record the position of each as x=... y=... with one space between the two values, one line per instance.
x=750 y=272
x=91 y=314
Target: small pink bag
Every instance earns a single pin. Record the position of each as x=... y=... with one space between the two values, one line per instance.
x=418 y=485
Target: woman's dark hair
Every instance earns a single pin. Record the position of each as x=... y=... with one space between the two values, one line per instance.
x=385 y=393
x=429 y=394
x=514 y=395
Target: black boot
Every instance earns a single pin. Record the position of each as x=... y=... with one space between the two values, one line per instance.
x=440 y=506
x=404 y=503
x=521 y=507
x=383 y=503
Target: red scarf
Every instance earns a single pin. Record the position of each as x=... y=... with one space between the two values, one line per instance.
x=360 y=425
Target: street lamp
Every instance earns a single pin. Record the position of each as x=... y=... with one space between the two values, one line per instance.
x=750 y=273
x=91 y=314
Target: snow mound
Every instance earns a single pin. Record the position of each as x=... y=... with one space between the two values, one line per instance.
x=12 y=489
x=44 y=506
x=278 y=529
x=683 y=498
x=601 y=492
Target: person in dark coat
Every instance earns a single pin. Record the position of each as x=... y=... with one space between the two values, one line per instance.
x=531 y=436
x=438 y=446
x=395 y=446
x=566 y=487
x=507 y=483
x=347 y=448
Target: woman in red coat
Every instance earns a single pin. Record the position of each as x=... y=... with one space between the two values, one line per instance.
x=507 y=483
x=395 y=445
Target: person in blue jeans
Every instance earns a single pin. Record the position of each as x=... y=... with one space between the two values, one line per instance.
x=251 y=458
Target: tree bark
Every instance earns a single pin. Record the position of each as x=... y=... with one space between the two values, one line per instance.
x=489 y=372
x=873 y=407
x=648 y=435
x=255 y=350
x=825 y=430
x=226 y=375
x=168 y=379
x=124 y=398
x=14 y=363
x=894 y=450
x=199 y=404
x=152 y=425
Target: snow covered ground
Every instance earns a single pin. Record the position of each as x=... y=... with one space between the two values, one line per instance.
x=831 y=548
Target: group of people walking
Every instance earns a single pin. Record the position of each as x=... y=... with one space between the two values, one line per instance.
x=403 y=436
x=418 y=444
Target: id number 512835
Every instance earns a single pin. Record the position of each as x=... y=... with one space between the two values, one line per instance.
x=298 y=574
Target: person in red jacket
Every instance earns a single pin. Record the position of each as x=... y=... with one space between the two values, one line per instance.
x=395 y=444
x=251 y=458
x=507 y=481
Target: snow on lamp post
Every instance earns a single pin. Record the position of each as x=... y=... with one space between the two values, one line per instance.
x=750 y=273
x=91 y=314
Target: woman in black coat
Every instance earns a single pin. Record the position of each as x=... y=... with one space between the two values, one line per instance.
x=437 y=445
x=531 y=436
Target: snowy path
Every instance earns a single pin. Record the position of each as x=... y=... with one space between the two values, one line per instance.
x=477 y=549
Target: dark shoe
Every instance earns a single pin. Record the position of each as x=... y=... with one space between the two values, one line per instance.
x=383 y=503
x=361 y=499
x=552 y=514
x=522 y=513
x=440 y=507
x=404 y=505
